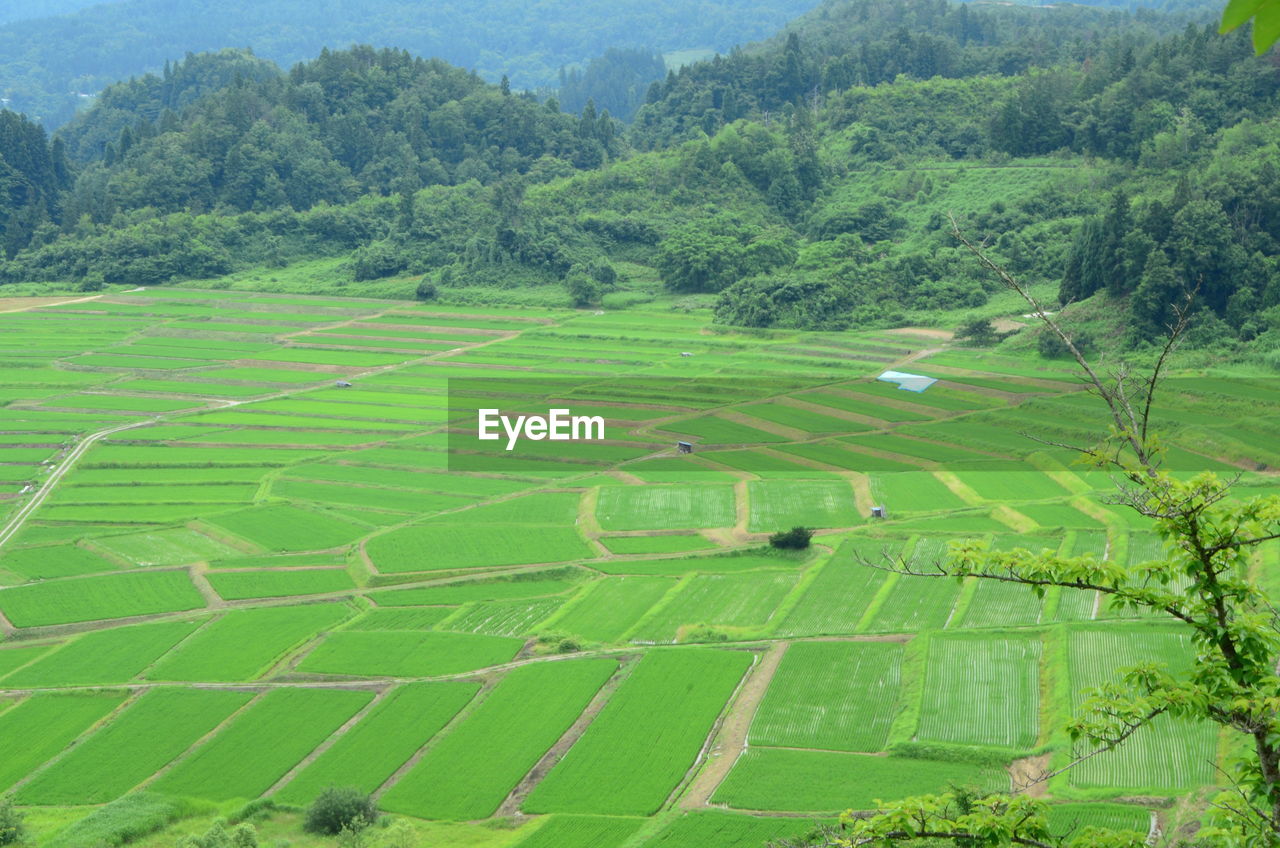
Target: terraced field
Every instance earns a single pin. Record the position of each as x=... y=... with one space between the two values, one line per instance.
x=224 y=575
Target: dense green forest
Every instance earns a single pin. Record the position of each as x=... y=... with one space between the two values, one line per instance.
x=804 y=181
x=47 y=63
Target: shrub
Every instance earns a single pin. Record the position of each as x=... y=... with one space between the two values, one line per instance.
x=376 y=261
x=705 y=633
x=340 y=808
x=1052 y=347
x=603 y=273
x=12 y=829
x=978 y=331
x=583 y=288
x=426 y=290
x=795 y=539
x=400 y=835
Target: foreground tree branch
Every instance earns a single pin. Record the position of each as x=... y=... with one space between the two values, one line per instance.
x=1202 y=581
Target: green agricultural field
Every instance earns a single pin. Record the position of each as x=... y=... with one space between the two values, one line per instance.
x=439 y=546
x=134 y=513
x=912 y=491
x=99 y=597
x=860 y=404
x=582 y=832
x=193 y=388
x=994 y=682
x=398 y=725
x=291 y=437
x=998 y=604
x=807 y=421
x=734 y=602
x=914 y=604
x=1072 y=818
x=242 y=643
x=502 y=618
x=844 y=456
x=1168 y=756
x=363 y=475
x=610 y=608
x=782 y=504
x=123 y=403
x=646 y=737
x=545 y=508
x=401 y=618
x=717 y=829
x=54 y=561
x=764 y=463
x=40 y=726
x=842 y=591
x=261 y=744
x=522 y=586
x=143 y=476
x=473 y=768
x=154 y=730
x=822 y=781
x=289 y=528
x=673 y=469
x=665 y=507
x=165 y=547
x=239 y=585
x=153 y=456
x=398 y=654
x=395 y=500
x=726 y=563
x=712 y=430
x=918 y=448
x=308 y=589
x=104 y=656
x=1003 y=486
x=12 y=658
x=671 y=544
x=837 y=696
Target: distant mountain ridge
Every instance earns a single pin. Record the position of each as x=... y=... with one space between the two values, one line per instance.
x=46 y=63
x=22 y=10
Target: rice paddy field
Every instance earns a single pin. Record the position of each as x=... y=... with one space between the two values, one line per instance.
x=248 y=550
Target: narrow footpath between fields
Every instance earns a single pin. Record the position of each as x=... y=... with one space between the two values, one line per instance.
x=731 y=740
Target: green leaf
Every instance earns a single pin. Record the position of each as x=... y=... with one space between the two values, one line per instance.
x=1266 y=26
x=1239 y=11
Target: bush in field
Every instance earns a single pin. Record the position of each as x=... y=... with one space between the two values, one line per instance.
x=583 y=288
x=1051 y=346
x=603 y=273
x=340 y=808
x=980 y=332
x=795 y=539
x=377 y=260
x=12 y=829
x=559 y=643
x=218 y=836
x=426 y=290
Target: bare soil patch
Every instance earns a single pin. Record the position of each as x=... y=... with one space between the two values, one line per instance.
x=923 y=332
x=1027 y=772
x=21 y=304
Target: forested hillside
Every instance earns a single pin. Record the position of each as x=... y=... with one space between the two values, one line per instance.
x=804 y=181
x=21 y=10
x=46 y=63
